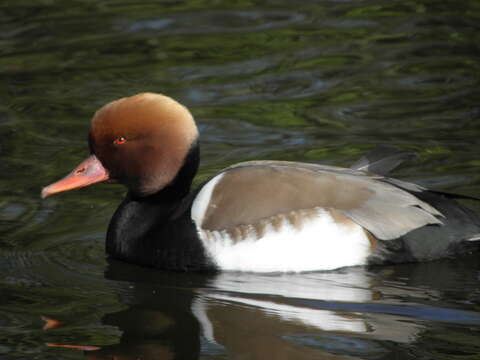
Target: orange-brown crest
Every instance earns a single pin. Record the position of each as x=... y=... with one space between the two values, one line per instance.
x=143 y=140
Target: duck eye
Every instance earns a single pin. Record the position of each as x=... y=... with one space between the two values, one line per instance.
x=120 y=140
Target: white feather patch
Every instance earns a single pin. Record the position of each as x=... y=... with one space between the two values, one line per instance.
x=320 y=244
x=202 y=200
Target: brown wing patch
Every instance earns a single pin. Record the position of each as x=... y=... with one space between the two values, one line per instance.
x=252 y=192
x=246 y=195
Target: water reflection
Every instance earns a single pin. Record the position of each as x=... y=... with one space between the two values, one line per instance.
x=353 y=312
x=216 y=22
x=283 y=311
x=156 y=322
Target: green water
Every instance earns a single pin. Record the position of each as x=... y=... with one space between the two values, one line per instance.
x=317 y=81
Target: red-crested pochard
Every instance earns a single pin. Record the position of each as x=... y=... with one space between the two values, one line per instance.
x=256 y=215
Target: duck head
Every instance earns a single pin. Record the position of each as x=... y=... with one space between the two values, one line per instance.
x=141 y=141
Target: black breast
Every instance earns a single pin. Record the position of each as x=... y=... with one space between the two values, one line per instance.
x=150 y=232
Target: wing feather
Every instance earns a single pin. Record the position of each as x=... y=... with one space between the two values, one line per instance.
x=250 y=192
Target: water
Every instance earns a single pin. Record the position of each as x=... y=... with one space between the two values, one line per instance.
x=310 y=81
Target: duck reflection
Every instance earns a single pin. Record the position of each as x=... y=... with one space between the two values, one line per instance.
x=334 y=315
x=158 y=322
x=273 y=315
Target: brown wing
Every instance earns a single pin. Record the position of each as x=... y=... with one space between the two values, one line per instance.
x=253 y=191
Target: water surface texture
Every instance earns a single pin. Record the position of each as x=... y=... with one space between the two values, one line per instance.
x=317 y=81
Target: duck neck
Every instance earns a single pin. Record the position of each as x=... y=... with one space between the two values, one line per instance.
x=157 y=230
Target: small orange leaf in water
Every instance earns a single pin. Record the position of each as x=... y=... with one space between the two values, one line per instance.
x=50 y=323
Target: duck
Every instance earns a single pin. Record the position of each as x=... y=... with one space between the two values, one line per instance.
x=255 y=216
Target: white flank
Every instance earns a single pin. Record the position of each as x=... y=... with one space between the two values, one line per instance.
x=200 y=204
x=321 y=244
